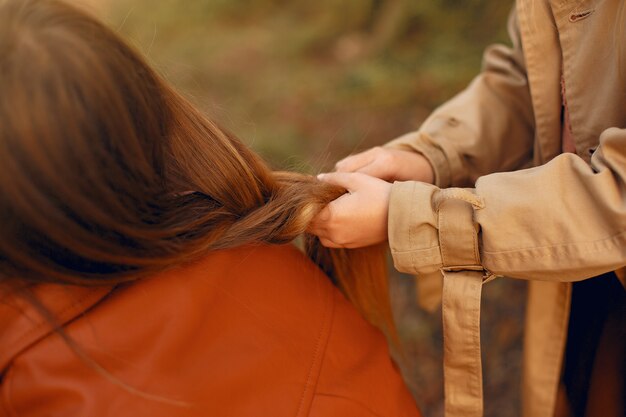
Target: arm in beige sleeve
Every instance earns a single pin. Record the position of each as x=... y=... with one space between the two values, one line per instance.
x=486 y=128
x=565 y=220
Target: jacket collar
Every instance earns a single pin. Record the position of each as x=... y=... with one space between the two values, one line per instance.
x=543 y=60
x=22 y=324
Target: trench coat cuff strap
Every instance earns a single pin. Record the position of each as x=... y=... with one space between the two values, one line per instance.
x=420 y=143
x=412 y=228
x=414 y=240
x=463 y=277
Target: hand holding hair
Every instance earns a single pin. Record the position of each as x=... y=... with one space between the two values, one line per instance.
x=389 y=164
x=357 y=218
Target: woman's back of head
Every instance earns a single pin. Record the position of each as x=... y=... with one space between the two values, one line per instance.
x=108 y=174
x=82 y=122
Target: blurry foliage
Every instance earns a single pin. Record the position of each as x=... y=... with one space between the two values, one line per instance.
x=307 y=82
x=303 y=80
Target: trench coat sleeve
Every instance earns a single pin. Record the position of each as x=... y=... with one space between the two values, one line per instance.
x=486 y=128
x=562 y=221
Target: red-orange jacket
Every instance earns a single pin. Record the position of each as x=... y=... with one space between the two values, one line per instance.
x=254 y=331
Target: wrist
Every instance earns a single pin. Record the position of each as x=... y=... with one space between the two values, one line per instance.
x=416 y=168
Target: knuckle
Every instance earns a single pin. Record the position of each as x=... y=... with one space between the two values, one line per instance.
x=337 y=237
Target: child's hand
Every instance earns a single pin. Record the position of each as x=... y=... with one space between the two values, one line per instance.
x=357 y=218
x=389 y=165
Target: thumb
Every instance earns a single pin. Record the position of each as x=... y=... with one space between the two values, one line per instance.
x=354 y=163
x=347 y=180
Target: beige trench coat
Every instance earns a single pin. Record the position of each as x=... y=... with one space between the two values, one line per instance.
x=533 y=213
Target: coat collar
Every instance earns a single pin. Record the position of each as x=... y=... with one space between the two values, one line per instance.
x=22 y=323
x=547 y=27
x=543 y=59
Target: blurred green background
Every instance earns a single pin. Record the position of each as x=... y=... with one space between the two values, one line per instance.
x=307 y=82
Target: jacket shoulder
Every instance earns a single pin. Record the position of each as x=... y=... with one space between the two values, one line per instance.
x=358 y=376
x=239 y=332
x=243 y=332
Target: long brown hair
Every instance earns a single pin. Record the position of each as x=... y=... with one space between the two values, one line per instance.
x=107 y=174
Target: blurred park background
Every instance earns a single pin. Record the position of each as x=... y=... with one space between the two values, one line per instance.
x=307 y=82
